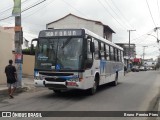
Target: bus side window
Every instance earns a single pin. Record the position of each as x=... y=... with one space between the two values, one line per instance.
x=107 y=52
x=111 y=53
x=115 y=54
x=102 y=51
x=120 y=59
x=96 y=54
x=119 y=56
x=89 y=53
x=122 y=56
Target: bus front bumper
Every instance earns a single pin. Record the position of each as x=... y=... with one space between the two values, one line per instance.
x=58 y=85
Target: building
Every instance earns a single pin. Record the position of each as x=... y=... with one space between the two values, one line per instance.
x=128 y=55
x=73 y=21
x=6 y=47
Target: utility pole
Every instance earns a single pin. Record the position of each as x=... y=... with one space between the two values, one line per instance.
x=144 y=52
x=18 y=48
x=156 y=29
x=129 y=54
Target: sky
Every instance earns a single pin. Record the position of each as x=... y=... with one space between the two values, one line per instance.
x=121 y=15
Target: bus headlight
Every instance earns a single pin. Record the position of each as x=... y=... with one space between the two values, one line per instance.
x=39 y=77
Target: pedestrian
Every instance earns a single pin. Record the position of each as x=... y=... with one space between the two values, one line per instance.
x=11 y=75
x=125 y=69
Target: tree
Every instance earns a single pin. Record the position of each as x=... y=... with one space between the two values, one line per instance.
x=27 y=51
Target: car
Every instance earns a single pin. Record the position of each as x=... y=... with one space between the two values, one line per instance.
x=142 y=68
x=149 y=68
x=135 y=69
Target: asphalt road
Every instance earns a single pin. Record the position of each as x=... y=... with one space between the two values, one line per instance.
x=137 y=91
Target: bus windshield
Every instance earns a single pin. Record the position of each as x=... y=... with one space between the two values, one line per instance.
x=59 y=54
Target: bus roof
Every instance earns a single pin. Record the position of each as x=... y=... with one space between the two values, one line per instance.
x=75 y=32
x=102 y=39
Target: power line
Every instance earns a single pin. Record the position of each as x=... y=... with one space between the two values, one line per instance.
x=121 y=13
x=1 y=13
x=24 y=10
x=158 y=8
x=140 y=37
x=74 y=8
x=111 y=15
x=33 y=6
x=151 y=31
x=39 y=9
x=150 y=13
x=125 y=21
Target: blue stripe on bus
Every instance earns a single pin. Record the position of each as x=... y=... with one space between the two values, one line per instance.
x=68 y=77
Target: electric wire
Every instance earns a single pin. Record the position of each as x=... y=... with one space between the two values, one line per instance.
x=117 y=14
x=74 y=8
x=33 y=6
x=112 y=15
x=150 y=13
x=24 y=10
x=158 y=8
x=121 y=13
x=40 y=8
x=10 y=8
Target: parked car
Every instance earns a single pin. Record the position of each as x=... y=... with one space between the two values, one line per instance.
x=142 y=68
x=135 y=69
x=149 y=68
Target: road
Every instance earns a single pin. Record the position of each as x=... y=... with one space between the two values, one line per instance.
x=137 y=91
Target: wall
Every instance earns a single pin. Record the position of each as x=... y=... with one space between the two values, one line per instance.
x=6 y=47
x=28 y=65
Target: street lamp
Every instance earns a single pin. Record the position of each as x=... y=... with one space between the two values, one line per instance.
x=155 y=37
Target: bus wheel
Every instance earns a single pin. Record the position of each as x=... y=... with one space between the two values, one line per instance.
x=57 y=91
x=93 y=90
x=115 y=82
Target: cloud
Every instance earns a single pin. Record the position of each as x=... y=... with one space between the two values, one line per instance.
x=131 y=14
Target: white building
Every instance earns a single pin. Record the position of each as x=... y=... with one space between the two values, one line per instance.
x=73 y=21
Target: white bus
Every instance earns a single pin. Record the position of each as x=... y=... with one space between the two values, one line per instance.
x=76 y=59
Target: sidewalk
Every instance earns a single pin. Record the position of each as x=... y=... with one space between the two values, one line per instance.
x=27 y=83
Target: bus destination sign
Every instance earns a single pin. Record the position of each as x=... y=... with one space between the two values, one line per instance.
x=59 y=32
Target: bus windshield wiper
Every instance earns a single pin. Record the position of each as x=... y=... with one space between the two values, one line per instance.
x=66 y=43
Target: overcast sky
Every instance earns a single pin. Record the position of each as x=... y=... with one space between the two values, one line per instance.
x=120 y=15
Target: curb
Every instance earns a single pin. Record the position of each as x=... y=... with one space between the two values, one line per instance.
x=4 y=92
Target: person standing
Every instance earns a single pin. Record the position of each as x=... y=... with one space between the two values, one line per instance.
x=125 y=69
x=11 y=75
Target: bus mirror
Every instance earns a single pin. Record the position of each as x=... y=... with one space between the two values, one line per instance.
x=32 y=50
x=92 y=47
